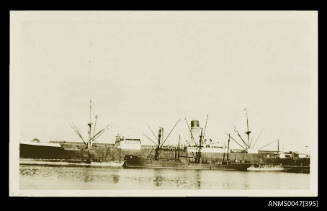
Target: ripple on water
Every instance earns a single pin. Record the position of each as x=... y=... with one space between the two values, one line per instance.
x=45 y=177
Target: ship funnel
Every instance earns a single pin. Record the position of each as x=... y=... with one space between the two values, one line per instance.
x=195 y=123
x=196 y=130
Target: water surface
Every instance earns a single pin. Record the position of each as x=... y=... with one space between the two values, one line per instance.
x=86 y=178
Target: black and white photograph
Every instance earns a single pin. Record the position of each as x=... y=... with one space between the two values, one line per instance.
x=163 y=103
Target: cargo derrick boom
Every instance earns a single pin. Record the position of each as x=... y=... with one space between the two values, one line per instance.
x=160 y=140
x=92 y=137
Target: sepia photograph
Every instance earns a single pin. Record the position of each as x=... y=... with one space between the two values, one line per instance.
x=163 y=103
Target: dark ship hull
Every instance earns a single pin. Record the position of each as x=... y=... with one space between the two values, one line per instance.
x=139 y=162
x=297 y=169
x=292 y=165
x=50 y=151
x=39 y=151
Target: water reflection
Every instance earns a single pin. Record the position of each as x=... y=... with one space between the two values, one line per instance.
x=42 y=177
x=245 y=181
x=198 y=179
x=115 y=178
x=157 y=178
x=87 y=175
x=28 y=172
x=179 y=178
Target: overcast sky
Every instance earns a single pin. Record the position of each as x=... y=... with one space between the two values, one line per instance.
x=154 y=68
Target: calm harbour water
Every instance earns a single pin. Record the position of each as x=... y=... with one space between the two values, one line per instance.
x=64 y=178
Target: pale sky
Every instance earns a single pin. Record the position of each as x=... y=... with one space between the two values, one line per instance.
x=153 y=68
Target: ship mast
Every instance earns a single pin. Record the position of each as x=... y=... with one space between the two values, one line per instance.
x=90 y=127
x=179 y=141
x=160 y=140
x=176 y=151
x=92 y=137
x=95 y=123
x=248 y=132
x=198 y=154
x=160 y=137
x=228 y=147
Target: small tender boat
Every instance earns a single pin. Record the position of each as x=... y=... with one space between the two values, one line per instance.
x=265 y=168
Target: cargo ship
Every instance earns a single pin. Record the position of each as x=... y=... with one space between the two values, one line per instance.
x=54 y=154
x=201 y=155
x=194 y=162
